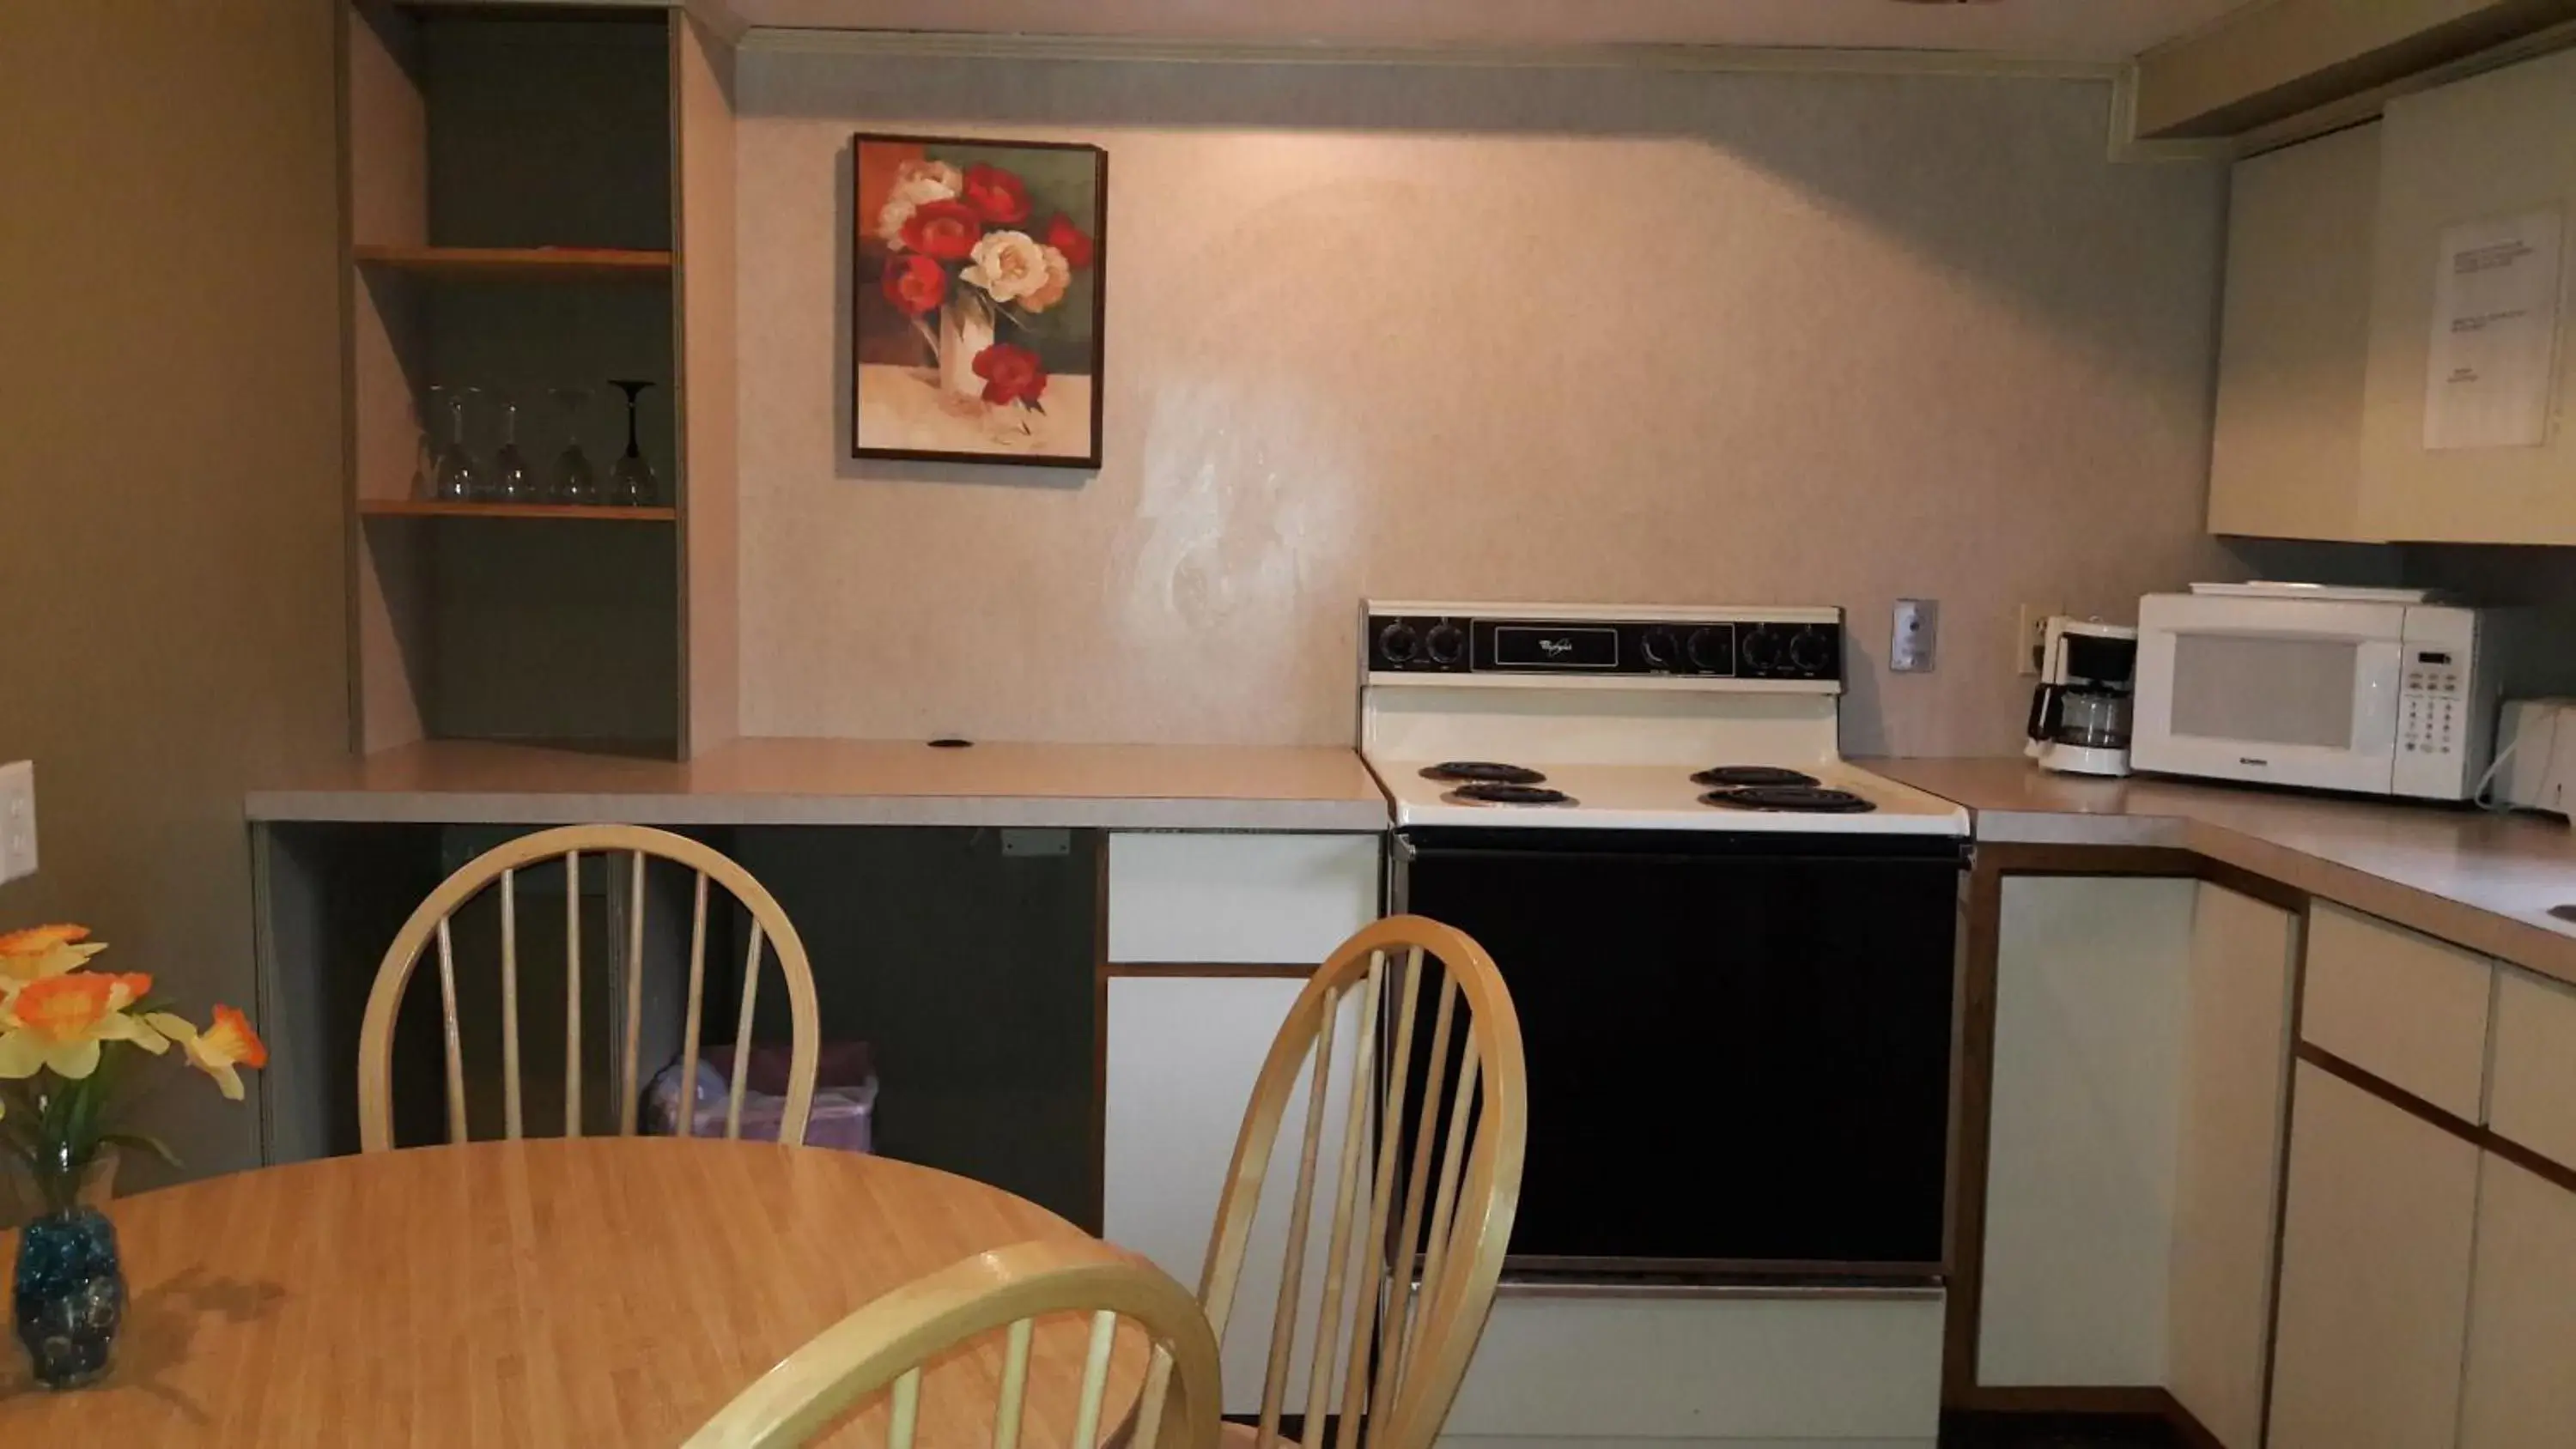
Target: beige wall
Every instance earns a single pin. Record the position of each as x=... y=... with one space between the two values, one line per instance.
x=1582 y=334
x=170 y=517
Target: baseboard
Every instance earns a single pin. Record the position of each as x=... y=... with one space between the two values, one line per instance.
x=2187 y=1424
x=2142 y=1401
x=2121 y=1401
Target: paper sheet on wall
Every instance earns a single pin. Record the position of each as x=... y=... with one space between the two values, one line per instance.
x=2495 y=333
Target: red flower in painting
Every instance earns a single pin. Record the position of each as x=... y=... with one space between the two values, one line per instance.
x=915 y=283
x=1001 y=198
x=1067 y=238
x=1011 y=373
x=946 y=230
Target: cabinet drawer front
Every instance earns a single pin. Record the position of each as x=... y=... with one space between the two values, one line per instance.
x=2403 y=1007
x=2532 y=1099
x=1243 y=899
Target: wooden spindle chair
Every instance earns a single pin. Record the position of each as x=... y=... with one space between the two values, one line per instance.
x=501 y=865
x=885 y=1345
x=1420 y=1290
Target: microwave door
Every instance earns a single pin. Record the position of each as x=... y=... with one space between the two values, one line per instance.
x=2313 y=707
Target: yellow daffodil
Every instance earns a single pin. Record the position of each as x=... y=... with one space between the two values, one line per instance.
x=41 y=952
x=61 y=1021
x=218 y=1049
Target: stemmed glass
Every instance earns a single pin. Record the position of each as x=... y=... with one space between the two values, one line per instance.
x=575 y=480
x=630 y=479
x=512 y=482
x=460 y=475
x=424 y=449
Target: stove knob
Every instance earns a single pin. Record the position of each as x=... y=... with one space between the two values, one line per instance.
x=1397 y=642
x=1812 y=651
x=1660 y=647
x=1712 y=650
x=1446 y=643
x=1762 y=648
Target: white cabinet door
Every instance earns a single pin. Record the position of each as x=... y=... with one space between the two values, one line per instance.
x=2235 y=1108
x=2294 y=343
x=2498 y=145
x=2375 y=1253
x=1183 y=1053
x=2522 y=1314
x=2090 y=979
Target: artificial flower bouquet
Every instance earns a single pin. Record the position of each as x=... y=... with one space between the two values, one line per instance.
x=963 y=245
x=70 y=1039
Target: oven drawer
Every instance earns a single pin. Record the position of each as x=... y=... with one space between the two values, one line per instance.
x=1794 y=1367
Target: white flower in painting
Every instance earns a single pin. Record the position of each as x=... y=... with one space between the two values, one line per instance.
x=1059 y=276
x=914 y=183
x=1008 y=264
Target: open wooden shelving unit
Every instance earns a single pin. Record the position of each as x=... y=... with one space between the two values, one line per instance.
x=534 y=264
x=560 y=512
x=539 y=196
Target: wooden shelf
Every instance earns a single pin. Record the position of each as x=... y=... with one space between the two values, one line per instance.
x=431 y=508
x=527 y=263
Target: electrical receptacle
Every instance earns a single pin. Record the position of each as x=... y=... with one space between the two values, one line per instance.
x=2030 y=634
x=17 y=820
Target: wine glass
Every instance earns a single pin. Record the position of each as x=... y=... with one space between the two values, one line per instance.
x=424 y=448
x=460 y=475
x=575 y=480
x=630 y=479
x=512 y=482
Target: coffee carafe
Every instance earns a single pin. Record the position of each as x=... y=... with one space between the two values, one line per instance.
x=2079 y=715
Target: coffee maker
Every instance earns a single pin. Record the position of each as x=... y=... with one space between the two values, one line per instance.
x=2079 y=715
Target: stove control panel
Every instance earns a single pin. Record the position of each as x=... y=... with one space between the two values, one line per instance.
x=1789 y=647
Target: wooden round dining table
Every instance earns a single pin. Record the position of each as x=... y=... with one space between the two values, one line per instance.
x=608 y=1291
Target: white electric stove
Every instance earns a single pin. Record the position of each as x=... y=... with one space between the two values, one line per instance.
x=1566 y=717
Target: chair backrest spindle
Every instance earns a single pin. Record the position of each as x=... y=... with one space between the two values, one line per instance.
x=634 y=996
x=769 y=932
x=572 y=993
x=1436 y=1161
x=886 y=1345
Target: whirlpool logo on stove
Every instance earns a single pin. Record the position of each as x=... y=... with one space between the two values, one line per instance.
x=1556 y=648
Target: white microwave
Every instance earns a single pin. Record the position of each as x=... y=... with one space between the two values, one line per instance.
x=2374 y=691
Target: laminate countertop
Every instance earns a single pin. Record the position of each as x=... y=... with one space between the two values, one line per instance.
x=843 y=782
x=2484 y=880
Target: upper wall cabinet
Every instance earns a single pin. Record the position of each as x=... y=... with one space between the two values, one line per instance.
x=2285 y=458
x=2485 y=150
x=538 y=200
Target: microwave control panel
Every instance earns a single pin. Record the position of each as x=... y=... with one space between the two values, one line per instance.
x=2429 y=716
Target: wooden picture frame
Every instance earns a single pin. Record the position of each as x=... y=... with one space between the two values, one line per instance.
x=978 y=299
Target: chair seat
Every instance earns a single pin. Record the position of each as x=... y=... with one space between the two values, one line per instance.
x=1231 y=1435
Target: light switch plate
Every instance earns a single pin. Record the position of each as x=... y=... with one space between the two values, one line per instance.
x=17 y=820
x=1915 y=638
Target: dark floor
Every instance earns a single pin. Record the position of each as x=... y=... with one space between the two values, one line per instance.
x=2028 y=1431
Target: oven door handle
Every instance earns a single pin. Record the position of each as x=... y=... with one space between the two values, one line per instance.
x=1957 y=856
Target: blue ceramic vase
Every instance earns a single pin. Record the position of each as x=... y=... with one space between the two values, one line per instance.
x=70 y=1295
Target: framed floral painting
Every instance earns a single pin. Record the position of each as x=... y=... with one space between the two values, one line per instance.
x=975 y=325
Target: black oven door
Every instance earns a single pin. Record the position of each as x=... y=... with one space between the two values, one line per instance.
x=1739 y=1047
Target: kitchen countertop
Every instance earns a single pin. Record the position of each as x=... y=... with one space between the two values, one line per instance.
x=2482 y=879
x=843 y=782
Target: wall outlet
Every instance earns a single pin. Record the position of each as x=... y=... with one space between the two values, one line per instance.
x=1915 y=636
x=17 y=820
x=2030 y=635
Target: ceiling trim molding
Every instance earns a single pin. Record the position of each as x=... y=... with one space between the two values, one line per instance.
x=1745 y=59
